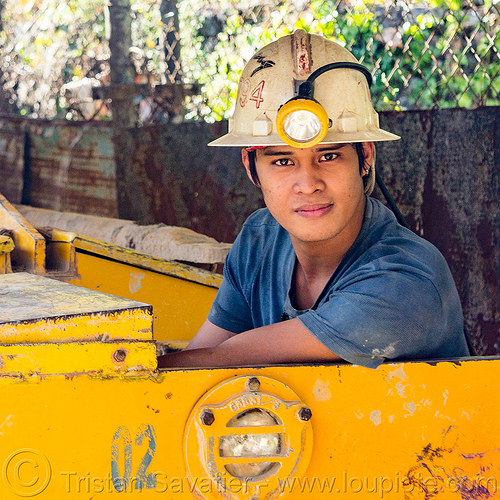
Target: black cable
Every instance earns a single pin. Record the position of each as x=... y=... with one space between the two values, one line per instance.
x=390 y=201
x=306 y=88
x=339 y=65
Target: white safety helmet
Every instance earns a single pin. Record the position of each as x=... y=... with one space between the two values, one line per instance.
x=303 y=90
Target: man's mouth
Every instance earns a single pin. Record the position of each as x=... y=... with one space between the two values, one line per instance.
x=314 y=209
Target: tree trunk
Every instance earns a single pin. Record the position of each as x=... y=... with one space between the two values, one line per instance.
x=131 y=198
x=6 y=104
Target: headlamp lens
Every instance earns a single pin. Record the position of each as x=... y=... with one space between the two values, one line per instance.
x=301 y=126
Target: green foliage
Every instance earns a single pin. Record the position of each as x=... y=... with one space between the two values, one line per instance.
x=434 y=53
x=45 y=44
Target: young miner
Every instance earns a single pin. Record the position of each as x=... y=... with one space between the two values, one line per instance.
x=324 y=273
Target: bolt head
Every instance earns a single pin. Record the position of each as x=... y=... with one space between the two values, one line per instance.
x=253 y=384
x=119 y=355
x=207 y=417
x=305 y=414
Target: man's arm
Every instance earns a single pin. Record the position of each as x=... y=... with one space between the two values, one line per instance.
x=285 y=342
x=209 y=335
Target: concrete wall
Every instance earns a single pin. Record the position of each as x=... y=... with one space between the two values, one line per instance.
x=444 y=174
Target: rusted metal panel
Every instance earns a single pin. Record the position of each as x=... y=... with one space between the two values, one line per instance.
x=190 y=184
x=72 y=168
x=12 y=142
x=445 y=176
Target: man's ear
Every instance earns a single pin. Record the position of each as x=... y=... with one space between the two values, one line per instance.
x=368 y=153
x=246 y=163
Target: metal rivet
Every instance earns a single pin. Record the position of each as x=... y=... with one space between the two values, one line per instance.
x=207 y=417
x=305 y=414
x=119 y=355
x=253 y=384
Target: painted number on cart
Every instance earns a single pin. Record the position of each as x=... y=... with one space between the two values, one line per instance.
x=121 y=458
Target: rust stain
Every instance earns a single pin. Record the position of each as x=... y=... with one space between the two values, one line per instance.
x=12 y=144
x=301 y=54
x=151 y=408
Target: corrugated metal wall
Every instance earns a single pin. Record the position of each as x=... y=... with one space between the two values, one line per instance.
x=59 y=165
x=444 y=174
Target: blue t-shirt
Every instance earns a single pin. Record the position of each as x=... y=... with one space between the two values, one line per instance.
x=391 y=297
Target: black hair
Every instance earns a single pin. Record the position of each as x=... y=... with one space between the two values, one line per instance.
x=253 y=168
x=358 y=146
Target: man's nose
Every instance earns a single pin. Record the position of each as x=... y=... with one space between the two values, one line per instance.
x=308 y=179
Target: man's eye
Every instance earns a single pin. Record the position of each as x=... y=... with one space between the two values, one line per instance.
x=283 y=162
x=328 y=157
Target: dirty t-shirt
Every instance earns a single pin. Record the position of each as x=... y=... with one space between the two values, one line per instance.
x=391 y=297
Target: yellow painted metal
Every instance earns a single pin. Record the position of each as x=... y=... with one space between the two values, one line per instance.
x=60 y=251
x=29 y=243
x=141 y=260
x=181 y=295
x=85 y=414
x=6 y=246
x=39 y=309
x=77 y=357
x=403 y=431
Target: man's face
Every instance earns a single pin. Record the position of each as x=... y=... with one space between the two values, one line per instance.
x=316 y=194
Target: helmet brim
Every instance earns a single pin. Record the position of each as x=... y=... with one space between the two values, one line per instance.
x=374 y=135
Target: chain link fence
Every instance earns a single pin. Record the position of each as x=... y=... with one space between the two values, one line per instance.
x=422 y=54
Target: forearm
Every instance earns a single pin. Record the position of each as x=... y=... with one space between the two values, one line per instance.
x=209 y=335
x=285 y=342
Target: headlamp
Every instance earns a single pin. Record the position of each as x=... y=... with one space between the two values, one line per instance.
x=302 y=122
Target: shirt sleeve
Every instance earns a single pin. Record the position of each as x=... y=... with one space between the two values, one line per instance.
x=388 y=315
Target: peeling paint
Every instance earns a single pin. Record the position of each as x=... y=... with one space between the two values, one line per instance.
x=134 y=284
x=376 y=417
x=321 y=391
x=7 y=422
x=411 y=407
x=400 y=388
x=399 y=373
x=438 y=470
